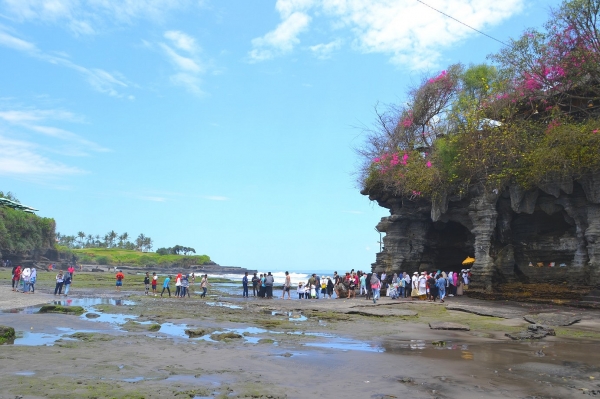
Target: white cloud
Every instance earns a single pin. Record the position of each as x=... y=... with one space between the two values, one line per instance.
x=408 y=31
x=101 y=80
x=181 y=62
x=280 y=40
x=22 y=159
x=84 y=17
x=324 y=50
x=32 y=119
x=189 y=67
x=181 y=40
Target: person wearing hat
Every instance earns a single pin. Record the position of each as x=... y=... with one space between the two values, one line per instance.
x=423 y=285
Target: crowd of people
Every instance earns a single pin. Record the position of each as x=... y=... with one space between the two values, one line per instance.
x=423 y=286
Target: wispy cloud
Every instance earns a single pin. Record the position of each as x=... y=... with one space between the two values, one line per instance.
x=183 y=53
x=99 y=79
x=324 y=50
x=409 y=32
x=35 y=120
x=86 y=17
x=23 y=159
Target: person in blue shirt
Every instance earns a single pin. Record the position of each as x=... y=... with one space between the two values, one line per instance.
x=166 y=286
x=245 y=285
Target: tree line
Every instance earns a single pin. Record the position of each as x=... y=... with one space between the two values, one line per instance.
x=110 y=240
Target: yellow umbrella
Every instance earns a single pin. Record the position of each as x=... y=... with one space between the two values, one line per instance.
x=468 y=261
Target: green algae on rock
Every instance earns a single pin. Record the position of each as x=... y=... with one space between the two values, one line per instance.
x=76 y=310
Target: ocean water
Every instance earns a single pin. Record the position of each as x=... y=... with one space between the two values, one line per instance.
x=296 y=276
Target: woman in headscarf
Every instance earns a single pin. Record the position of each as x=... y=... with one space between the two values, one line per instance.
x=375 y=286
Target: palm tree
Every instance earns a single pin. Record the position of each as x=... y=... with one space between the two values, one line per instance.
x=90 y=240
x=147 y=243
x=112 y=236
x=140 y=242
x=122 y=239
x=81 y=236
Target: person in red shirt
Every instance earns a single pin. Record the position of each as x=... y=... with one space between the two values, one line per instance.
x=71 y=270
x=120 y=277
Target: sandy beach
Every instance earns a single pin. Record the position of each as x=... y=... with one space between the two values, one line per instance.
x=128 y=345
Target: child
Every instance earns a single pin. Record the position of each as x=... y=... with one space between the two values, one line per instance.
x=154 y=283
x=147 y=282
x=300 y=291
x=313 y=291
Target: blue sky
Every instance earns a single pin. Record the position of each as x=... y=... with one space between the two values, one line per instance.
x=225 y=125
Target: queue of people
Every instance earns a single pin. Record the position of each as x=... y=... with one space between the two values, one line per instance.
x=424 y=285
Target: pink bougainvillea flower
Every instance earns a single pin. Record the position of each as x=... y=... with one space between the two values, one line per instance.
x=429 y=164
x=376 y=160
x=595 y=131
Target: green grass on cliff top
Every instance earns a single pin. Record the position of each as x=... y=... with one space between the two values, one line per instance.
x=115 y=256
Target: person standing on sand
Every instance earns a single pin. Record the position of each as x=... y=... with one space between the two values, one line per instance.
x=147 y=283
x=255 y=281
x=16 y=276
x=245 y=285
x=59 y=283
x=375 y=286
x=363 y=285
x=67 y=281
x=184 y=286
x=204 y=285
x=71 y=271
x=178 y=285
x=329 y=287
x=120 y=277
x=154 y=283
x=300 y=291
x=269 y=280
x=166 y=286
x=32 y=280
x=287 y=285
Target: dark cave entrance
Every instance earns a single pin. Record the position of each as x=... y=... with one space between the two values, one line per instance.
x=540 y=237
x=448 y=244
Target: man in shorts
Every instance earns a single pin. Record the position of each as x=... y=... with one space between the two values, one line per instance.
x=120 y=277
x=286 y=286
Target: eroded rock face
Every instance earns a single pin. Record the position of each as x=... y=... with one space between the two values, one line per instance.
x=549 y=234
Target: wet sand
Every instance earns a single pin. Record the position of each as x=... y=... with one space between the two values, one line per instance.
x=287 y=349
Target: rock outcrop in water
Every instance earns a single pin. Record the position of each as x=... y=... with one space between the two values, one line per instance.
x=548 y=234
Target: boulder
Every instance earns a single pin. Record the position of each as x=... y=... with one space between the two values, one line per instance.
x=7 y=334
x=535 y=331
x=76 y=310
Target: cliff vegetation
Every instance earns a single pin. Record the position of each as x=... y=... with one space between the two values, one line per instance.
x=527 y=118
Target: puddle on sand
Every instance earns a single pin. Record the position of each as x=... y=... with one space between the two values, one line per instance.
x=43 y=339
x=224 y=305
x=345 y=344
x=133 y=379
x=204 y=380
x=25 y=373
x=86 y=303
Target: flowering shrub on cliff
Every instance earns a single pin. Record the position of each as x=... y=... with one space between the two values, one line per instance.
x=531 y=118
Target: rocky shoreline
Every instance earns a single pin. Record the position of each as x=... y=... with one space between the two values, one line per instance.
x=129 y=345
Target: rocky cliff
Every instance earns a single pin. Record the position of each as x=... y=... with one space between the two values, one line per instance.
x=550 y=234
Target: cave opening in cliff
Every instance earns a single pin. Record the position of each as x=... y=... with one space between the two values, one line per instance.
x=540 y=237
x=448 y=244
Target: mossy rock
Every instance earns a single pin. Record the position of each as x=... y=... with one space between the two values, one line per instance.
x=198 y=332
x=90 y=337
x=154 y=327
x=225 y=336
x=76 y=310
x=266 y=341
x=7 y=334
